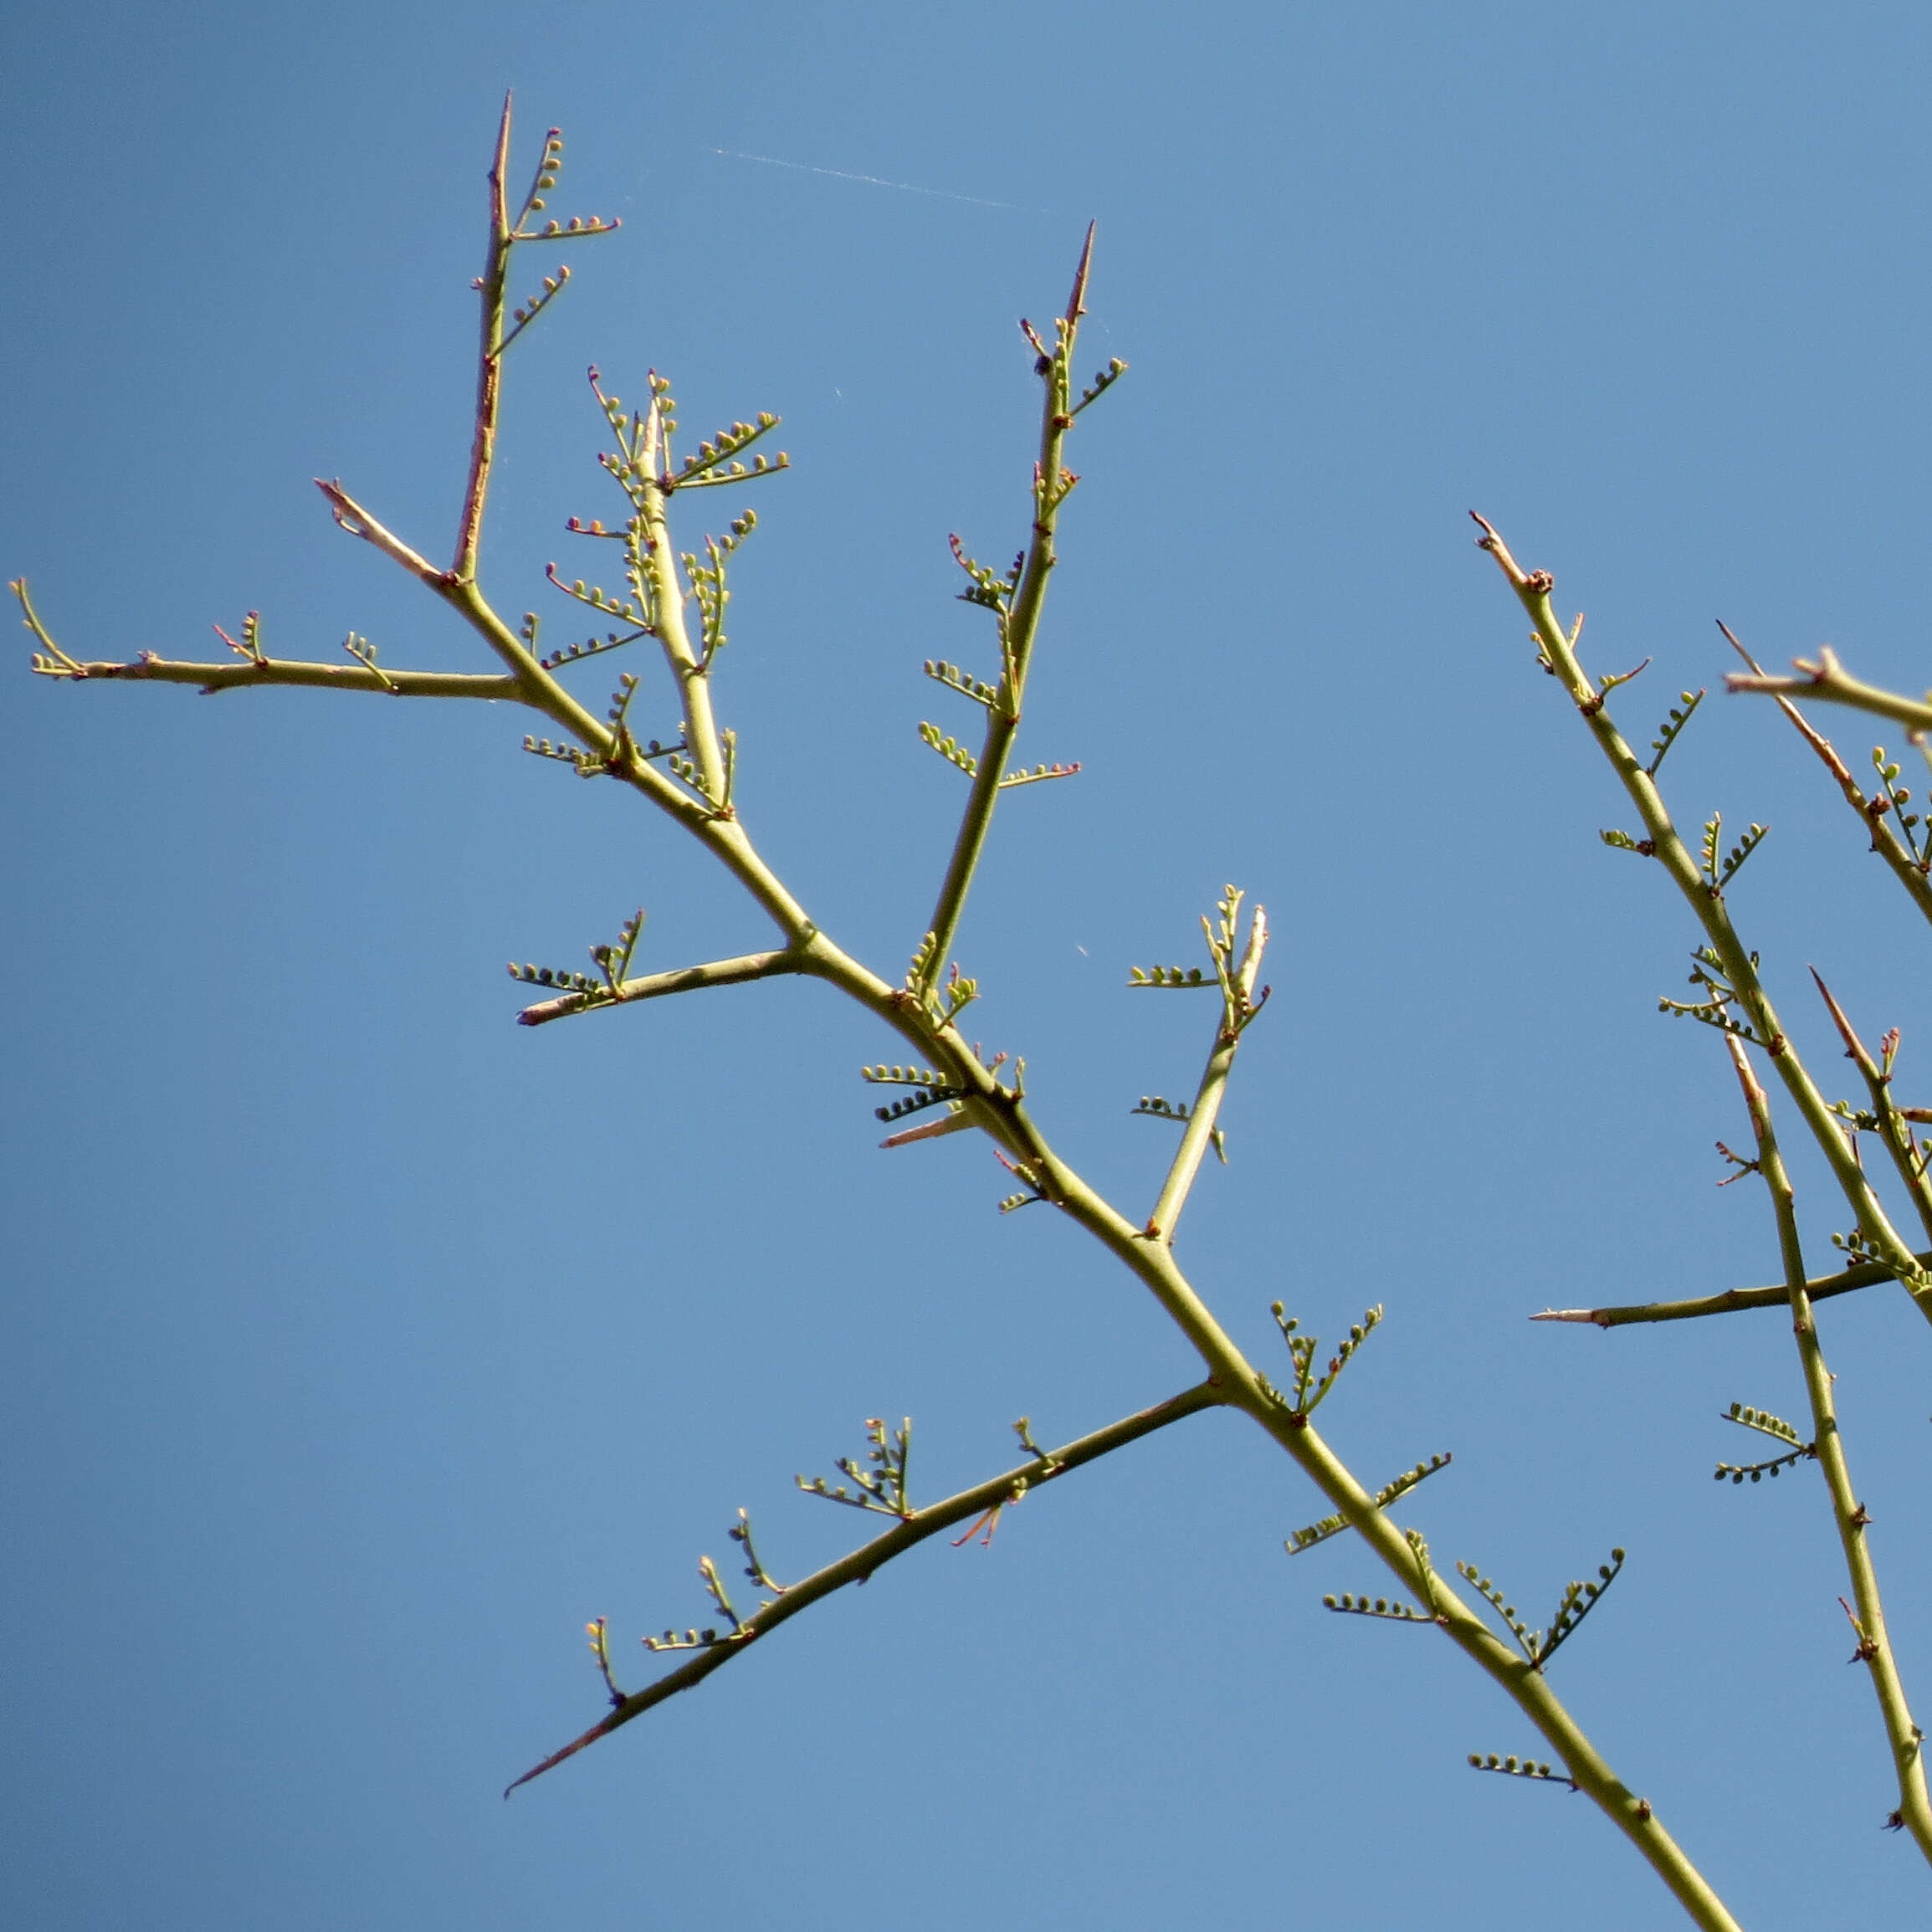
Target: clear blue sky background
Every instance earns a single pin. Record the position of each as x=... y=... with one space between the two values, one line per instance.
x=358 y=1345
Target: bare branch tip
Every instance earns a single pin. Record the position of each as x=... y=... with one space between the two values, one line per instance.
x=1854 y=1046
x=1730 y=639
x=502 y=161
x=1077 y=302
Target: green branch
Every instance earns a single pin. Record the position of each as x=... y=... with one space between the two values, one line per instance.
x=718 y=972
x=1239 y=1005
x=1825 y=678
x=985 y=1102
x=1822 y=1287
x=920 y=1527
x=1016 y=609
x=492 y=286
x=1705 y=897
x=211 y=678
x=1874 y=1649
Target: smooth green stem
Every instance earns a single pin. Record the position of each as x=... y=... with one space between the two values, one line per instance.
x=718 y=972
x=1516 y=1676
x=1706 y=901
x=690 y=672
x=1504 y=1666
x=1907 y=1740
x=240 y=675
x=488 y=360
x=1019 y=628
x=1238 y=1008
x=1195 y=1138
x=350 y=516
x=917 y=1527
x=1824 y=677
x=1866 y=1274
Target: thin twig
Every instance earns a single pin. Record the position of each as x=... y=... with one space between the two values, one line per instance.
x=1019 y=623
x=871 y=1557
x=1239 y=1005
x=352 y=677
x=1894 y=1130
x=1824 y=677
x=1914 y=1811
x=1732 y=1301
x=720 y=972
x=489 y=360
x=358 y=522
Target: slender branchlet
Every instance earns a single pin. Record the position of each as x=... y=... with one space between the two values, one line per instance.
x=1885 y=1118
x=588 y=996
x=1016 y=601
x=1914 y=1811
x=1824 y=677
x=717 y=1648
x=1727 y=969
x=1236 y=969
x=1731 y=1301
x=1897 y=834
x=493 y=286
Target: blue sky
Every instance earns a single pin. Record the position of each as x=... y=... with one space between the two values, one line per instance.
x=359 y=1345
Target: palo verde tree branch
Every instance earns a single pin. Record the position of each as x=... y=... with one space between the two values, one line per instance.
x=252 y=666
x=715 y=1649
x=493 y=285
x=1825 y=678
x=1728 y=967
x=718 y=972
x=1240 y=1004
x=690 y=781
x=1874 y=1646
x=1016 y=601
x=1820 y=1288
